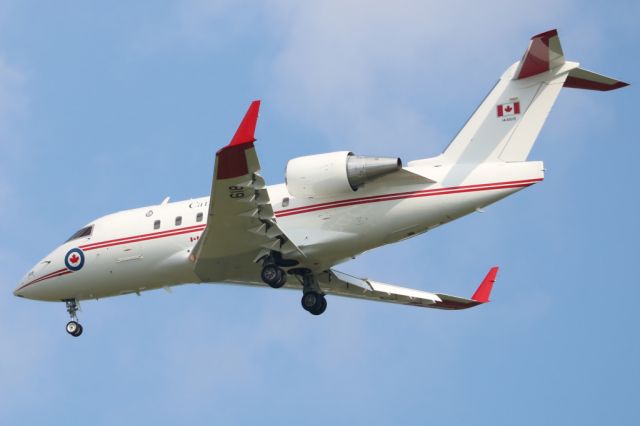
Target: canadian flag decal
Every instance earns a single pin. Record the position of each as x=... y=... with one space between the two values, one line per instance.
x=510 y=108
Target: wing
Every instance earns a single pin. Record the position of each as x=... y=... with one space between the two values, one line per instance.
x=241 y=227
x=341 y=284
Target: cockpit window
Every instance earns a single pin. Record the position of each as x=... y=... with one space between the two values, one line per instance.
x=84 y=232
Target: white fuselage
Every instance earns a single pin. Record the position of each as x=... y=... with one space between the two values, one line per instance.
x=129 y=252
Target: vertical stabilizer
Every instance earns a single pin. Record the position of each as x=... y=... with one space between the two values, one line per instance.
x=507 y=123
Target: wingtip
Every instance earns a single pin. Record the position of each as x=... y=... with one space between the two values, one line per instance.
x=484 y=289
x=247 y=128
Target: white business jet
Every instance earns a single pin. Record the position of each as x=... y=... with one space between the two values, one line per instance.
x=331 y=208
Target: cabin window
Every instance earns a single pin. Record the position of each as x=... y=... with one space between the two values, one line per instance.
x=178 y=220
x=156 y=224
x=84 y=232
x=285 y=202
x=199 y=217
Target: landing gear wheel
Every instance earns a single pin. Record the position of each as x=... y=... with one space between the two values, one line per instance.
x=74 y=328
x=273 y=276
x=314 y=303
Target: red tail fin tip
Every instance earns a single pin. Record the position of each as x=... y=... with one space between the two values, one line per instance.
x=484 y=289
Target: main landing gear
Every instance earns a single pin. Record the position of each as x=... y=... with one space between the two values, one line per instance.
x=272 y=273
x=314 y=303
x=313 y=300
x=73 y=327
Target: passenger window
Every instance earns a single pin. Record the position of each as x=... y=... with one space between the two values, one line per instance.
x=156 y=224
x=178 y=220
x=285 y=202
x=199 y=217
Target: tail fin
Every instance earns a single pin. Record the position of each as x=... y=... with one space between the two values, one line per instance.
x=507 y=123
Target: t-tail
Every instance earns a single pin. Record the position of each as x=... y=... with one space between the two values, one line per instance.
x=507 y=123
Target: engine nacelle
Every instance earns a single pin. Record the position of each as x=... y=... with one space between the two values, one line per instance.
x=335 y=173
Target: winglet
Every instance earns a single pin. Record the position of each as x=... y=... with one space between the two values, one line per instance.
x=247 y=128
x=484 y=289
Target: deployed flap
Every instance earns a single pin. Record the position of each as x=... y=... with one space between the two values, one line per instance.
x=339 y=283
x=241 y=226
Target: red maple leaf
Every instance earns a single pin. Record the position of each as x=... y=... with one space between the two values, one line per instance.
x=508 y=108
x=74 y=258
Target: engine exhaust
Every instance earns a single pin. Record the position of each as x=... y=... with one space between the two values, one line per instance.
x=362 y=169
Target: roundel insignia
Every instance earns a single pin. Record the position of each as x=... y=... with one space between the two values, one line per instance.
x=74 y=259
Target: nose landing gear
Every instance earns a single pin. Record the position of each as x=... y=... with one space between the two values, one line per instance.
x=74 y=328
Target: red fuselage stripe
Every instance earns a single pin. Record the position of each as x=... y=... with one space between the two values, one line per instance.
x=188 y=228
x=404 y=195
x=57 y=273
x=139 y=238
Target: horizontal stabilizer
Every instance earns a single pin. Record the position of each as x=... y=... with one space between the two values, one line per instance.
x=583 y=79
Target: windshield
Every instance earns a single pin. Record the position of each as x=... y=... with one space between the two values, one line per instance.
x=84 y=232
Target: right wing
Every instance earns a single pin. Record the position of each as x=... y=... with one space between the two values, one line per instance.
x=341 y=284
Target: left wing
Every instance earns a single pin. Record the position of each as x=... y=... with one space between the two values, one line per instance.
x=341 y=284
x=241 y=227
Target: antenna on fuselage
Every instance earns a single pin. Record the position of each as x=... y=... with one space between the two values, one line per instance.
x=165 y=201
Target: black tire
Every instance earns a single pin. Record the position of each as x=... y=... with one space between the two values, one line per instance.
x=79 y=331
x=319 y=310
x=271 y=275
x=73 y=327
x=314 y=303
x=309 y=300
x=283 y=279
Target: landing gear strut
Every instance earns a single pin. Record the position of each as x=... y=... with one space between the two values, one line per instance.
x=73 y=327
x=272 y=274
x=313 y=300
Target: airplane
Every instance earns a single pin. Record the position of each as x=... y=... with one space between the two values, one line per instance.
x=331 y=208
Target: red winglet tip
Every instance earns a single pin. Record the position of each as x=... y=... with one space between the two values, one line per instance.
x=247 y=128
x=484 y=289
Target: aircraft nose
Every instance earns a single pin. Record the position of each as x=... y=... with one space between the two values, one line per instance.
x=18 y=290
x=36 y=273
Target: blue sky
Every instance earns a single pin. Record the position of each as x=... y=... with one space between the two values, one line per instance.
x=105 y=107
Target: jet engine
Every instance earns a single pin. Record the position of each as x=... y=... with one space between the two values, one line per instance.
x=335 y=173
